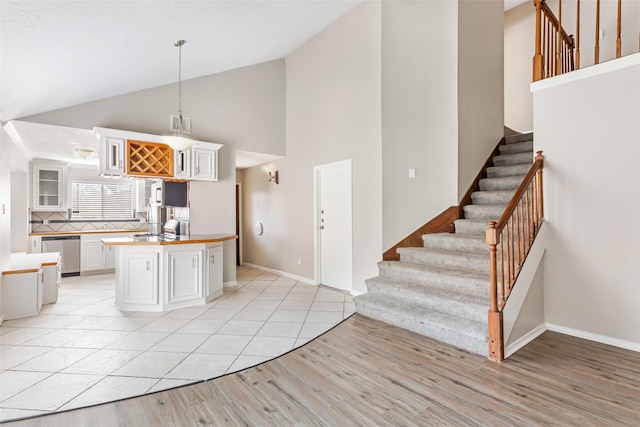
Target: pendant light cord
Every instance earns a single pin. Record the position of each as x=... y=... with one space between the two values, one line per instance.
x=179 y=44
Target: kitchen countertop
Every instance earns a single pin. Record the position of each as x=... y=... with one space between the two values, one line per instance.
x=159 y=240
x=64 y=233
x=21 y=262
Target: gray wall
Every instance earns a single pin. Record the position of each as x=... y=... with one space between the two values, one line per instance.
x=243 y=109
x=480 y=85
x=333 y=113
x=419 y=113
x=589 y=130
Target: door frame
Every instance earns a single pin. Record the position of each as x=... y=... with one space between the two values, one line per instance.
x=316 y=215
x=239 y=223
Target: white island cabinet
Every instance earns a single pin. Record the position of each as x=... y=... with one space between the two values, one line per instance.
x=153 y=274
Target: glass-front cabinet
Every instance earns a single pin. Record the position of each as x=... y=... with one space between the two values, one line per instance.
x=48 y=190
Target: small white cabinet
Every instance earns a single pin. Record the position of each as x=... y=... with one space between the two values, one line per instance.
x=48 y=188
x=35 y=244
x=182 y=164
x=184 y=275
x=92 y=255
x=139 y=274
x=112 y=156
x=214 y=272
x=205 y=164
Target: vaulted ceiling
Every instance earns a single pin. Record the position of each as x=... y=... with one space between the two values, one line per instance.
x=56 y=54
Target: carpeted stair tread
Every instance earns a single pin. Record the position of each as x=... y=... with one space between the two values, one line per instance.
x=476 y=227
x=499 y=197
x=513 y=159
x=486 y=212
x=474 y=262
x=455 y=242
x=471 y=306
x=512 y=139
x=444 y=277
x=517 y=147
x=500 y=183
x=459 y=332
x=511 y=170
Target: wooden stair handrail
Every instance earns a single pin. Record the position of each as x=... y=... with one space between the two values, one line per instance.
x=512 y=237
x=556 y=52
x=538 y=164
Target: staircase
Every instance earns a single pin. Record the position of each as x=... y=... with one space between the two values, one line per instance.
x=441 y=290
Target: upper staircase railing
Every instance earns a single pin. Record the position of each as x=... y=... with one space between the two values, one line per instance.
x=509 y=242
x=558 y=53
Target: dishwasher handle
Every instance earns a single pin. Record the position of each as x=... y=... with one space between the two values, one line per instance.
x=49 y=238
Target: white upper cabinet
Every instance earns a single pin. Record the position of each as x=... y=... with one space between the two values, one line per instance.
x=182 y=164
x=199 y=163
x=143 y=194
x=48 y=188
x=112 y=156
x=205 y=164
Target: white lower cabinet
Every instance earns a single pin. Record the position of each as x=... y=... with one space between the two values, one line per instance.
x=214 y=272
x=91 y=254
x=167 y=277
x=96 y=257
x=139 y=276
x=35 y=244
x=184 y=276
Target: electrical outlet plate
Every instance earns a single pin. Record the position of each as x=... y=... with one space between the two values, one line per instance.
x=174 y=124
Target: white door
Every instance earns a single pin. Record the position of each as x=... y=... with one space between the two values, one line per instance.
x=333 y=191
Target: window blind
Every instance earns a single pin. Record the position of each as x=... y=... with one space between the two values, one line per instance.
x=92 y=200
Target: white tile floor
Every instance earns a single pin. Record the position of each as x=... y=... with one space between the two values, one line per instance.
x=83 y=351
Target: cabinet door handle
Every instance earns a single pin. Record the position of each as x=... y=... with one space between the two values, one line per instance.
x=193 y=262
x=148 y=265
x=213 y=259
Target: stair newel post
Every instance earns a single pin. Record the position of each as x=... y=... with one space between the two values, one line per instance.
x=619 y=38
x=540 y=157
x=538 y=60
x=496 y=343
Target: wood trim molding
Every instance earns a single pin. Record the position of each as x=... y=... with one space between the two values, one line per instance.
x=466 y=199
x=443 y=223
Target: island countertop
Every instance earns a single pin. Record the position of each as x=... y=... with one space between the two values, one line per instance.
x=159 y=240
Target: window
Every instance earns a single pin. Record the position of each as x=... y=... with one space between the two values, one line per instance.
x=92 y=200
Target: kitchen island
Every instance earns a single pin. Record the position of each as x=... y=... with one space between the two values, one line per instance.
x=154 y=273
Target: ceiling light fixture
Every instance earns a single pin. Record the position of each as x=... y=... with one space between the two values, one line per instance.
x=84 y=152
x=178 y=141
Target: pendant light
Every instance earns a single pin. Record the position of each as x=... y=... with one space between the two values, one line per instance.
x=178 y=141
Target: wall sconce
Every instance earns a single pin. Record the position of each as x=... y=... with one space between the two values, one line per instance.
x=274 y=176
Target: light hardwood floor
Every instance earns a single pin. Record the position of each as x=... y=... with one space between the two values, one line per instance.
x=364 y=372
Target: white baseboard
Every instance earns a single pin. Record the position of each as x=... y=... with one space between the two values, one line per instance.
x=282 y=273
x=629 y=345
x=230 y=284
x=524 y=340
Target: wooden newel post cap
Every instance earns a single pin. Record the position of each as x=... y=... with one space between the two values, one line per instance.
x=491 y=234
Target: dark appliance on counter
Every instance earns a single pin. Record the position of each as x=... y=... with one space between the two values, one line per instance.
x=169 y=194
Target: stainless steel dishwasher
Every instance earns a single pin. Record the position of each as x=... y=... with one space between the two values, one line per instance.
x=69 y=248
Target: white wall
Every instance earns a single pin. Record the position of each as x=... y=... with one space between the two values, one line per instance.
x=519 y=47
x=419 y=113
x=480 y=85
x=333 y=113
x=19 y=211
x=243 y=109
x=589 y=130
